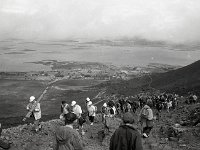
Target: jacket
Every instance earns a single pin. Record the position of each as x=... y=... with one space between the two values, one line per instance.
x=126 y=137
x=147 y=122
x=36 y=112
x=67 y=138
x=91 y=110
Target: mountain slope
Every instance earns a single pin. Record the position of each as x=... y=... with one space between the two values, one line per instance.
x=181 y=81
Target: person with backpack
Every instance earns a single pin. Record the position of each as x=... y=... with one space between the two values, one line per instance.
x=36 y=113
x=146 y=119
x=126 y=137
x=91 y=112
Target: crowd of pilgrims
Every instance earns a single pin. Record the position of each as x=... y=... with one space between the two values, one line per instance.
x=118 y=105
x=73 y=116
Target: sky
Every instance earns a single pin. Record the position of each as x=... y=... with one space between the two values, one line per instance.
x=168 y=20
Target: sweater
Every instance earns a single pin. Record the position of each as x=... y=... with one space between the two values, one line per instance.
x=67 y=138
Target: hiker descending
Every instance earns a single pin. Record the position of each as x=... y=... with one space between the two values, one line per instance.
x=91 y=112
x=126 y=137
x=36 y=113
x=67 y=138
x=146 y=119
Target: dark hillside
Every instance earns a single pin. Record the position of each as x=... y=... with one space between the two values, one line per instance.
x=182 y=81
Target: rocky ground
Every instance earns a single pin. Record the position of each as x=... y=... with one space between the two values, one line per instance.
x=167 y=134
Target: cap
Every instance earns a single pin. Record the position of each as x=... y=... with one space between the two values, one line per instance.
x=88 y=99
x=32 y=98
x=73 y=103
x=128 y=118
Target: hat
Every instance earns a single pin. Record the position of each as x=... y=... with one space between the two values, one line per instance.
x=32 y=98
x=128 y=118
x=73 y=103
x=70 y=118
x=105 y=105
x=89 y=103
x=88 y=99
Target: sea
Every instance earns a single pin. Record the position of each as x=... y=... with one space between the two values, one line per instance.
x=21 y=55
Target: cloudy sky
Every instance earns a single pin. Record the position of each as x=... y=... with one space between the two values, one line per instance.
x=171 y=20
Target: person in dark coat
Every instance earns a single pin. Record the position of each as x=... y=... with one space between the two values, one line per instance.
x=126 y=137
x=67 y=138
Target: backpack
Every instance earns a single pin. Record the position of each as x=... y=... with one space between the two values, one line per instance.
x=145 y=113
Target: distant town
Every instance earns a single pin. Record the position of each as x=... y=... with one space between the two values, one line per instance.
x=85 y=70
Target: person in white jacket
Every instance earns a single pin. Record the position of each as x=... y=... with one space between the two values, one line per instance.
x=36 y=113
x=91 y=112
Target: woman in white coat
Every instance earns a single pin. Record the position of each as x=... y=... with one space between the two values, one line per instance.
x=36 y=113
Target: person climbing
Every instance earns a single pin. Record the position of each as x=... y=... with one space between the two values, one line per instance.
x=126 y=137
x=36 y=113
x=67 y=138
x=146 y=119
x=91 y=112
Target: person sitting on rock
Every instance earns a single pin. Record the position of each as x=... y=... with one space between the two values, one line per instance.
x=126 y=137
x=36 y=113
x=67 y=138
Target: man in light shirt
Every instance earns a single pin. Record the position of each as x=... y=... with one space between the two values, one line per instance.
x=91 y=112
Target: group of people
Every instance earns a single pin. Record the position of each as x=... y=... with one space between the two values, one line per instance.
x=126 y=137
